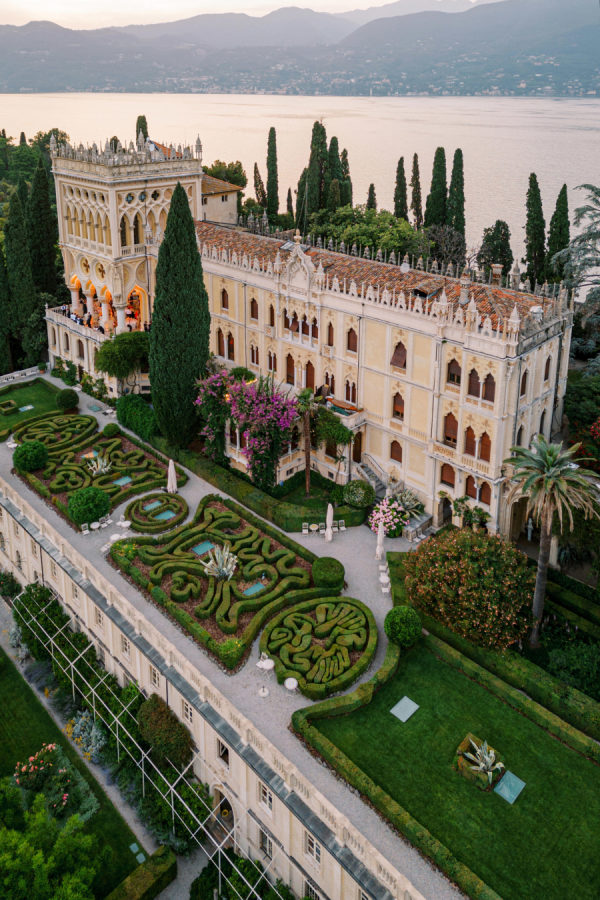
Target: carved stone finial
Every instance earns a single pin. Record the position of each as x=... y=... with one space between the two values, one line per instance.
x=297 y=237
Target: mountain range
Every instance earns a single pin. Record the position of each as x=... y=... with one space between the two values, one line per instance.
x=512 y=47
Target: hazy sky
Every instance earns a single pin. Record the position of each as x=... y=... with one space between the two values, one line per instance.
x=89 y=14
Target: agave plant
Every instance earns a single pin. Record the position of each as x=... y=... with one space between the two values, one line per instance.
x=221 y=563
x=100 y=465
x=408 y=499
x=484 y=759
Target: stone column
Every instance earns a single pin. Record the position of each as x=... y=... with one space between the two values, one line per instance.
x=75 y=301
x=89 y=302
x=121 y=327
x=106 y=320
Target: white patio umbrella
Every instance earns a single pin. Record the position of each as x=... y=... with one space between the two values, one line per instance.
x=380 y=539
x=171 y=478
x=329 y=523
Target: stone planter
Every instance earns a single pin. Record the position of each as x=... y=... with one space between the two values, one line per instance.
x=463 y=766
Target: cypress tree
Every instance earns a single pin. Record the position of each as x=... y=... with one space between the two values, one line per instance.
x=290 y=203
x=371 y=198
x=22 y=140
x=456 y=195
x=259 y=187
x=178 y=349
x=535 y=234
x=400 y=194
x=495 y=248
x=4 y=152
x=437 y=200
x=272 y=178
x=559 y=235
x=5 y=319
x=335 y=163
x=141 y=125
x=18 y=268
x=346 y=183
x=301 y=201
x=333 y=201
x=43 y=232
x=318 y=178
x=416 y=203
x=23 y=192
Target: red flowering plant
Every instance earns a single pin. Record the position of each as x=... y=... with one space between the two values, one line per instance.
x=32 y=773
x=477 y=585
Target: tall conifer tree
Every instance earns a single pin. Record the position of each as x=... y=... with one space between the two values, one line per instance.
x=535 y=235
x=437 y=200
x=416 y=203
x=495 y=248
x=371 y=198
x=141 y=125
x=400 y=192
x=180 y=325
x=5 y=320
x=346 y=183
x=301 y=204
x=559 y=235
x=334 y=201
x=43 y=232
x=22 y=140
x=23 y=192
x=290 y=203
x=18 y=268
x=335 y=163
x=318 y=178
x=456 y=195
x=259 y=187
x=272 y=177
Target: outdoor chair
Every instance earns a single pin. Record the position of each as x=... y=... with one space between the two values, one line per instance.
x=334 y=525
x=342 y=525
x=321 y=527
x=305 y=528
x=85 y=529
x=385 y=588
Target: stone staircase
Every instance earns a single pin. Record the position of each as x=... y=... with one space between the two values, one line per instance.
x=371 y=476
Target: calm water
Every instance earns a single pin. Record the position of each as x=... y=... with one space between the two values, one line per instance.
x=503 y=139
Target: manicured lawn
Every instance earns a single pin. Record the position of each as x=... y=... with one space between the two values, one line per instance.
x=24 y=727
x=545 y=847
x=38 y=393
x=317 y=501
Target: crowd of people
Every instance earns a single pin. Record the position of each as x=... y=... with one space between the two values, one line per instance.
x=92 y=319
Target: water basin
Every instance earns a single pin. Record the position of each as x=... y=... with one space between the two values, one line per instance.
x=201 y=549
x=253 y=589
x=154 y=505
x=164 y=516
x=123 y=480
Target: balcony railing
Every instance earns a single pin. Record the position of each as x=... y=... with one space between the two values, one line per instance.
x=55 y=315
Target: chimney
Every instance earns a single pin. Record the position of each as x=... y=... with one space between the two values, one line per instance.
x=464 y=288
x=496 y=274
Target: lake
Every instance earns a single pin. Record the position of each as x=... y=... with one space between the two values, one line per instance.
x=503 y=139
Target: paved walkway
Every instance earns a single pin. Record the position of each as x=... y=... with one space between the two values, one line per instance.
x=355 y=548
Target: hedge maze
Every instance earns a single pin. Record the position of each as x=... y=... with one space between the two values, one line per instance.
x=155 y=513
x=72 y=442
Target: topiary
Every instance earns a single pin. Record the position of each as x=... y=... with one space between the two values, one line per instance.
x=328 y=572
x=111 y=430
x=88 y=505
x=403 y=626
x=67 y=399
x=30 y=456
x=160 y=727
x=359 y=494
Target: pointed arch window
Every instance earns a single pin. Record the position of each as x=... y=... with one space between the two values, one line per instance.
x=315 y=330
x=398 y=407
x=523 y=383
x=470 y=442
x=305 y=326
x=474 y=383
x=220 y=343
x=489 y=388
x=272 y=316
x=543 y=422
x=485 y=494
x=350 y=392
x=454 y=372
x=471 y=488
x=352 y=341
x=66 y=342
x=450 y=430
x=330 y=382
x=253 y=355
x=124 y=231
x=396 y=451
x=138 y=229
x=253 y=308
x=520 y=437
x=290 y=372
x=447 y=475
x=547 y=369
x=330 y=335
x=79 y=349
x=399 y=356
x=272 y=362
x=224 y=299
x=310 y=375
x=485 y=447
x=230 y=347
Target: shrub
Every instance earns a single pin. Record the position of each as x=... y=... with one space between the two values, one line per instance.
x=391 y=514
x=328 y=572
x=241 y=373
x=159 y=726
x=111 y=430
x=149 y=879
x=88 y=505
x=9 y=586
x=30 y=456
x=403 y=626
x=477 y=584
x=578 y=665
x=134 y=413
x=67 y=399
x=359 y=494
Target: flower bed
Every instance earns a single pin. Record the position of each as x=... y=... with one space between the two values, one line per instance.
x=50 y=773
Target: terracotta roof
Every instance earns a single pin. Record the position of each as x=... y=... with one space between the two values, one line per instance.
x=212 y=185
x=168 y=152
x=491 y=300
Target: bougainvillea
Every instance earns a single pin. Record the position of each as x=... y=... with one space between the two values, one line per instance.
x=214 y=408
x=393 y=515
x=477 y=584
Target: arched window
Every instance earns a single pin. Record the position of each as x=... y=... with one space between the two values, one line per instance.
x=398 y=407
x=399 y=356
x=450 y=430
x=447 y=475
x=470 y=442
x=286 y=319
x=230 y=346
x=310 y=375
x=290 y=375
x=305 y=326
x=69 y=221
x=107 y=232
x=253 y=309
x=294 y=324
x=523 y=383
x=520 y=437
x=485 y=494
x=330 y=335
x=66 y=342
x=124 y=231
x=2 y=543
x=350 y=392
x=352 y=341
x=53 y=336
x=330 y=382
x=471 y=488
x=396 y=451
x=485 y=447
x=315 y=329
x=138 y=229
x=79 y=349
x=454 y=372
x=90 y=227
x=253 y=355
x=233 y=434
x=220 y=343
x=272 y=316
x=18 y=561
x=224 y=299
x=543 y=423
x=547 y=369
x=272 y=362
x=489 y=388
x=474 y=385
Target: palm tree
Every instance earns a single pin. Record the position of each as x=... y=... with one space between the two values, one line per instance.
x=306 y=405
x=554 y=484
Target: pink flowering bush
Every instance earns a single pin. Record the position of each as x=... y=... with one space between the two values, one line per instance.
x=476 y=584
x=393 y=515
x=32 y=773
x=214 y=408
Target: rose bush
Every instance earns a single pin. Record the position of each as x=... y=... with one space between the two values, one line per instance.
x=393 y=515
